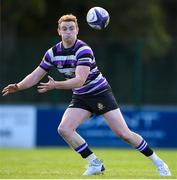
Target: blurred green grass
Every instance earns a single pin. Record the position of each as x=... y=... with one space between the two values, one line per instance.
x=63 y=163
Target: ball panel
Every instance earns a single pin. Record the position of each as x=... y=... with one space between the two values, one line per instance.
x=91 y=16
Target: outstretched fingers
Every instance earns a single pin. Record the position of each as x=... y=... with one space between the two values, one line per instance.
x=44 y=87
x=5 y=92
x=11 y=88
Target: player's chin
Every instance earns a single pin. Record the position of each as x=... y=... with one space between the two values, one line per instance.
x=68 y=39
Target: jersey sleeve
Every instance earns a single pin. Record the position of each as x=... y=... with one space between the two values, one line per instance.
x=46 y=62
x=85 y=56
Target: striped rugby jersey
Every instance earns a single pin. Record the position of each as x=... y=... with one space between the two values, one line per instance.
x=66 y=60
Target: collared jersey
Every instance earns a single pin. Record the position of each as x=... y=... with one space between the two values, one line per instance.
x=66 y=61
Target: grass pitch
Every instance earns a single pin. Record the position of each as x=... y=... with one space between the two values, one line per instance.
x=63 y=163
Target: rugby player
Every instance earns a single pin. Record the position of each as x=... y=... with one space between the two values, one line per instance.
x=75 y=60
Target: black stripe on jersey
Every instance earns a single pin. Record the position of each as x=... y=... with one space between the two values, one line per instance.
x=71 y=51
x=47 y=59
x=43 y=68
x=50 y=62
x=93 y=78
x=93 y=67
x=67 y=66
x=54 y=49
x=64 y=52
x=85 y=56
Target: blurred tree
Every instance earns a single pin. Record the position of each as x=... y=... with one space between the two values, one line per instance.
x=130 y=20
x=140 y=20
x=17 y=12
x=18 y=16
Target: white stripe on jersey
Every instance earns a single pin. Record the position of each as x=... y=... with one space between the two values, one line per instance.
x=48 y=64
x=95 y=69
x=67 y=70
x=50 y=51
x=93 y=88
x=85 y=60
x=63 y=58
x=92 y=82
x=82 y=48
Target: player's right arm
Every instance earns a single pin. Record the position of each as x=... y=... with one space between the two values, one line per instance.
x=29 y=81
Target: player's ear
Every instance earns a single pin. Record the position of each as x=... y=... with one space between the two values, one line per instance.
x=58 y=30
x=77 y=30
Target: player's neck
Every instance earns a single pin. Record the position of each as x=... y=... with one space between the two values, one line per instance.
x=68 y=44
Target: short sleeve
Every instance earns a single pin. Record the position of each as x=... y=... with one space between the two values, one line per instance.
x=46 y=62
x=85 y=56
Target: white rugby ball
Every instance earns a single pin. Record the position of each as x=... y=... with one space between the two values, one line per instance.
x=98 y=18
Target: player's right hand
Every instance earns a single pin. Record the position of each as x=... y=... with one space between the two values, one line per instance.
x=11 y=88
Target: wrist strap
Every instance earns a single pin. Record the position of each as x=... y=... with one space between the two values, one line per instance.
x=16 y=85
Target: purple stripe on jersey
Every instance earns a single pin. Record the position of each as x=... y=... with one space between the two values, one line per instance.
x=59 y=62
x=85 y=51
x=83 y=63
x=93 y=65
x=78 y=43
x=44 y=66
x=70 y=61
x=101 y=86
x=91 y=76
x=55 y=63
x=91 y=91
x=89 y=86
x=58 y=46
x=47 y=57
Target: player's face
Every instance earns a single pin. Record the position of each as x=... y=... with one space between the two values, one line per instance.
x=68 y=31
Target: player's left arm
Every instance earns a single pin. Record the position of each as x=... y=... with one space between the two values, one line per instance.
x=81 y=75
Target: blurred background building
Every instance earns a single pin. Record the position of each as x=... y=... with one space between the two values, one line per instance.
x=136 y=52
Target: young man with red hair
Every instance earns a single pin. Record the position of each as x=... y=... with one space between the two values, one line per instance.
x=75 y=60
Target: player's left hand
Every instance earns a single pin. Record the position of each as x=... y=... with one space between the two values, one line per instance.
x=44 y=87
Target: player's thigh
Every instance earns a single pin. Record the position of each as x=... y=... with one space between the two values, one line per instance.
x=73 y=117
x=116 y=121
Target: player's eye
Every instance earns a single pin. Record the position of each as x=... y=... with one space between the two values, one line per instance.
x=71 y=28
x=63 y=28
